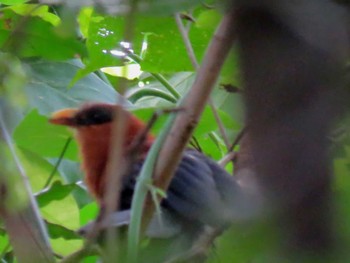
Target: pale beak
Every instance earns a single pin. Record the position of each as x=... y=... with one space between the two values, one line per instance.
x=64 y=117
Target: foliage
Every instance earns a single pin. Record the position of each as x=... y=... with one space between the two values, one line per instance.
x=53 y=57
x=60 y=53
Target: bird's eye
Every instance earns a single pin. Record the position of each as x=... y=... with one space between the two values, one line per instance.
x=94 y=116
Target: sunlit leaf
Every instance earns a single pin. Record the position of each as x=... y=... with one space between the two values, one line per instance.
x=64 y=212
x=37 y=168
x=41 y=11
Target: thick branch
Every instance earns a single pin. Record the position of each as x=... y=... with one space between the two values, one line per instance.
x=193 y=104
x=24 y=226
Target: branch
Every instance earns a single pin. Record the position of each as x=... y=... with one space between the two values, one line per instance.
x=193 y=106
x=24 y=225
x=193 y=59
x=116 y=165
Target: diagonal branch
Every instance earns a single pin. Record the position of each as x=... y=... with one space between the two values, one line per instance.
x=195 y=64
x=193 y=106
x=25 y=227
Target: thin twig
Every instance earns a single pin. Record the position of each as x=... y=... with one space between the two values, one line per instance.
x=238 y=138
x=116 y=166
x=195 y=64
x=187 y=42
x=60 y=158
x=231 y=154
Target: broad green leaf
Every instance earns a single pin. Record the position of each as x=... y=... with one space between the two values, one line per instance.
x=36 y=37
x=166 y=50
x=164 y=7
x=36 y=134
x=148 y=7
x=13 y=2
x=208 y=147
x=65 y=247
x=4 y=242
x=207 y=122
x=208 y=19
x=254 y=242
x=90 y=259
x=36 y=167
x=71 y=174
x=230 y=72
x=64 y=212
x=88 y=213
x=231 y=104
x=48 y=88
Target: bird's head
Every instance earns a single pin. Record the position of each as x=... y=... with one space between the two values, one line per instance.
x=88 y=115
x=93 y=125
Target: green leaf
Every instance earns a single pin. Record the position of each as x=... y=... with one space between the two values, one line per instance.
x=58 y=231
x=57 y=191
x=36 y=167
x=36 y=134
x=207 y=122
x=165 y=44
x=148 y=7
x=84 y=20
x=71 y=174
x=13 y=2
x=164 y=7
x=88 y=213
x=230 y=73
x=166 y=50
x=209 y=147
x=41 y=38
x=63 y=212
x=208 y=19
x=65 y=247
x=35 y=10
x=48 y=88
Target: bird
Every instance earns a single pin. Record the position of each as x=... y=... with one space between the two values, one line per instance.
x=201 y=193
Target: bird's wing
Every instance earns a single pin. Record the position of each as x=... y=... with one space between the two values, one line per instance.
x=202 y=191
